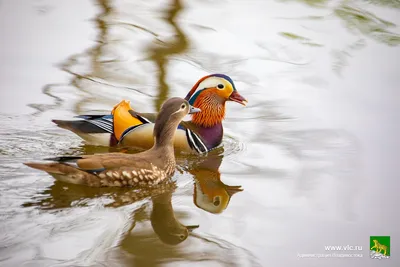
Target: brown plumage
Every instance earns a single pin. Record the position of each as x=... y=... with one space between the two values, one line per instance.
x=118 y=169
x=164 y=222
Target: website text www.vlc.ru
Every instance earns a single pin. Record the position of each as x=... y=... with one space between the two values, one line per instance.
x=342 y=249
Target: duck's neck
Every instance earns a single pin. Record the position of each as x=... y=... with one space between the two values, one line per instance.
x=164 y=135
x=212 y=110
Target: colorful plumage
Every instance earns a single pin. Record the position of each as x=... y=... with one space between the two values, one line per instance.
x=127 y=127
x=118 y=169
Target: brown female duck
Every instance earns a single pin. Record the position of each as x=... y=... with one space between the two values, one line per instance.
x=118 y=169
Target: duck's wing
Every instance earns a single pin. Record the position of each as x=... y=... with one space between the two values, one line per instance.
x=95 y=129
x=104 y=161
x=139 y=134
x=106 y=130
x=125 y=118
x=115 y=169
x=88 y=124
x=144 y=117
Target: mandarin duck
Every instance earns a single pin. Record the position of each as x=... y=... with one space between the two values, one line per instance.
x=147 y=168
x=134 y=129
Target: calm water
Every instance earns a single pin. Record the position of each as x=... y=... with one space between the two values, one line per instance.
x=315 y=151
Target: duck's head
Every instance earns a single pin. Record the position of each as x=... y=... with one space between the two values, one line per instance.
x=175 y=109
x=172 y=233
x=170 y=115
x=211 y=194
x=210 y=94
x=164 y=223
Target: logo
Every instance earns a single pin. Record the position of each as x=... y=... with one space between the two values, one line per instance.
x=379 y=247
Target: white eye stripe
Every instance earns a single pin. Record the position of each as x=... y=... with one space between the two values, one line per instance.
x=179 y=110
x=211 y=82
x=183 y=106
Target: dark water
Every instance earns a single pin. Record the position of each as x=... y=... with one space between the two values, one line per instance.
x=315 y=151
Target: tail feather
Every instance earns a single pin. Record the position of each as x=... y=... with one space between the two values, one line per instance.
x=66 y=173
x=91 y=117
x=53 y=168
x=65 y=158
x=95 y=132
x=80 y=126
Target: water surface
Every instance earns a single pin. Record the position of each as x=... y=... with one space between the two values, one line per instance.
x=315 y=151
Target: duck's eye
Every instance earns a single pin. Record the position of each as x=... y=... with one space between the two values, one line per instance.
x=182 y=237
x=183 y=106
x=220 y=86
x=216 y=201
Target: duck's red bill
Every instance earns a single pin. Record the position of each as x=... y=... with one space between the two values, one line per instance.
x=236 y=97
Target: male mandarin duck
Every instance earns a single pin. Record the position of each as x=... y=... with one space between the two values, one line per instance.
x=147 y=168
x=130 y=128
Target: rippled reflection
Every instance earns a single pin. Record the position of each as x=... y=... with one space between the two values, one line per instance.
x=210 y=193
x=317 y=74
x=164 y=222
x=165 y=225
x=160 y=53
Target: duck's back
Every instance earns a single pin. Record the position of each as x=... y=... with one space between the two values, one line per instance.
x=116 y=169
x=143 y=169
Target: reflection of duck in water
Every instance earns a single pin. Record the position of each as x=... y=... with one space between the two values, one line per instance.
x=210 y=193
x=64 y=195
x=164 y=222
x=165 y=225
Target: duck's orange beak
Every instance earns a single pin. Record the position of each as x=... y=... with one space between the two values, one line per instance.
x=236 y=97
